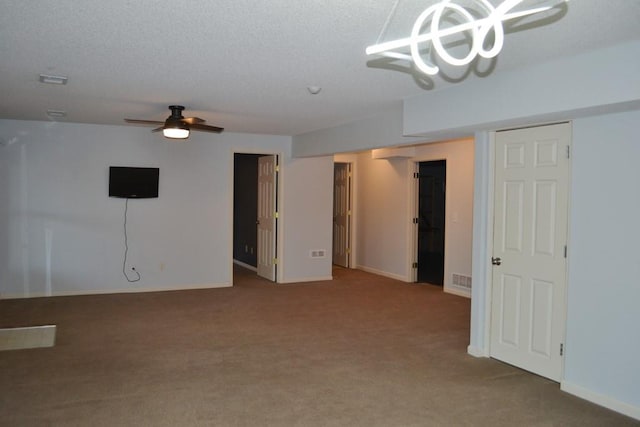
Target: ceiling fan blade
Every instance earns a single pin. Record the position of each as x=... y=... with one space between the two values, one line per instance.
x=193 y=120
x=205 y=128
x=157 y=129
x=144 y=122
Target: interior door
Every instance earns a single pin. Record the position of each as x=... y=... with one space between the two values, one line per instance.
x=267 y=216
x=529 y=262
x=341 y=213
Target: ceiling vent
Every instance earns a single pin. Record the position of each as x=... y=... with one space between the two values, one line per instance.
x=53 y=80
x=56 y=114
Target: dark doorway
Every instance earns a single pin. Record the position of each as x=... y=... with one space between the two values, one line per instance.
x=431 y=221
x=245 y=208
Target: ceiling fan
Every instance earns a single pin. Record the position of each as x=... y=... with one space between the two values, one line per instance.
x=177 y=126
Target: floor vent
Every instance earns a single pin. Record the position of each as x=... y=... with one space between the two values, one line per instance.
x=29 y=337
x=462 y=281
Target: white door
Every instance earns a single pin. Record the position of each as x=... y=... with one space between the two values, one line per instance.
x=529 y=260
x=341 y=213
x=267 y=216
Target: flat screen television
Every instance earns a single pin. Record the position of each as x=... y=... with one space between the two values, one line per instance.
x=133 y=183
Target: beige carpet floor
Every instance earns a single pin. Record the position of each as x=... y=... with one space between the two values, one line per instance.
x=360 y=350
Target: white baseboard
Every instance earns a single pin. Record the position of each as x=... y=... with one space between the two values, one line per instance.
x=307 y=279
x=457 y=291
x=384 y=273
x=602 y=400
x=115 y=291
x=476 y=351
x=245 y=265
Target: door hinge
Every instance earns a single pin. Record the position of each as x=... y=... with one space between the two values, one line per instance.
x=414 y=265
x=416 y=220
x=568 y=152
x=416 y=175
x=275 y=214
x=277 y=168
x=348 y=250
x=561 y=349
x=275 y=261
x=565 y=251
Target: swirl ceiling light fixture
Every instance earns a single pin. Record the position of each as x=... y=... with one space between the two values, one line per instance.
x=467 y=24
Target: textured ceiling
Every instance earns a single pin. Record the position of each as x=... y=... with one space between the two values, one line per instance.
x=245 y=64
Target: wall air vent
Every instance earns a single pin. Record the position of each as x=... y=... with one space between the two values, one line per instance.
x=461 y=281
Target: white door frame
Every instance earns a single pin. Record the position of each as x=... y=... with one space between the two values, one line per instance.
x=279 y=198
x=479 y=340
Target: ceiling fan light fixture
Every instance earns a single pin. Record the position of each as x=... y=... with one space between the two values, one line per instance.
x=176 y=133
x=176 y=126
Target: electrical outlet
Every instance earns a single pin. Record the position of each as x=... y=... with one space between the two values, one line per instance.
x=317 y=253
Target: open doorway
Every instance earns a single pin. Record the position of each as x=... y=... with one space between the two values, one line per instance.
x=255 y=213
x=384 y=229
x=431 y=216
x=342 y=213
x=245 y=210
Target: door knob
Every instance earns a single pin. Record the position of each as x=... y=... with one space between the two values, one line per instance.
x=496 y=261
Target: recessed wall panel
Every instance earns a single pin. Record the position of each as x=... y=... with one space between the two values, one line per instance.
x=513 y=216
x=514 y=156
x=510 y=316
x=541 y=315
x=546 y=153
x=544 y=224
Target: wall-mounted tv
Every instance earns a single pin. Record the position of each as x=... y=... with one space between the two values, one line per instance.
x=133 y=183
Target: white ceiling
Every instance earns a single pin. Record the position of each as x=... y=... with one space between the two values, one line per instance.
x=245 y=64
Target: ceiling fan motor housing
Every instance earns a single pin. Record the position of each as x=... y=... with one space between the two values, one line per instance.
x=175 y=120
x=176 y=111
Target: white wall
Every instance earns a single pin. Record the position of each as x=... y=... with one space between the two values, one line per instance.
x=307 y=218
x=61 y=234
x=382 y=216
x=603 y=342
x=386 y=204
x=592 y=83
x=382 y=130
